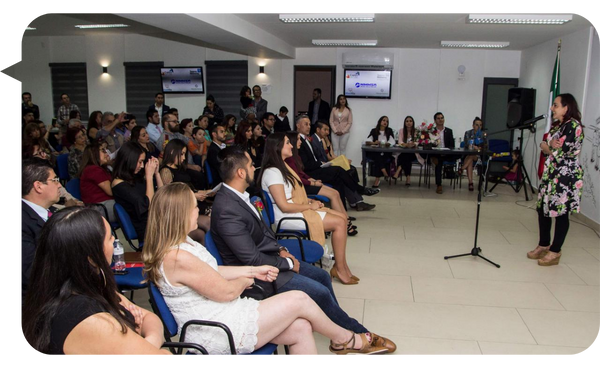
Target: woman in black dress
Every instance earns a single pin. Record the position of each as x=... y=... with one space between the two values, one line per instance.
x=382 y=135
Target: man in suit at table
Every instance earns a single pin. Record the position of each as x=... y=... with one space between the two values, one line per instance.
x=40 y=189
x=446 y=140
x=243 y=239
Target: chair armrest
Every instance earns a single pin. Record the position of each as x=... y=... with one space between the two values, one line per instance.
x=197 y=322
x=177 y=347
x=292 y=235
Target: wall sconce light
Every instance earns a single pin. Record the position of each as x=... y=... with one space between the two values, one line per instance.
x=104 y=70
x=261 y=69
x=461 y=72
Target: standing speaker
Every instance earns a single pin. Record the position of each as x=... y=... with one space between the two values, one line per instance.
x=521 y=106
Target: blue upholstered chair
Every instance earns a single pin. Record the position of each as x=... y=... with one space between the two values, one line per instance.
x=127 y=227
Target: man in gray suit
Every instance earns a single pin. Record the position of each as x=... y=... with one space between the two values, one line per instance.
x=242 y=238
x=259 y=103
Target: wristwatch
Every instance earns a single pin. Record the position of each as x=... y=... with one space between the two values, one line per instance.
x=283 y=248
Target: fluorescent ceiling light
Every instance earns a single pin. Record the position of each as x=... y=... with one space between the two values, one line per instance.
x=542 y=19
x=327 y=18
x=475 y=44
x=30 y=29
x=98 y=26
x=344 y=42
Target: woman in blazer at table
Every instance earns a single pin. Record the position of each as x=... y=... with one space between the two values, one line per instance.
x=407 y=137
x=382 y=135
x=473 y=140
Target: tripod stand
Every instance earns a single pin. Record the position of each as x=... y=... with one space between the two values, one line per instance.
x=523 y=175
x=476 y=250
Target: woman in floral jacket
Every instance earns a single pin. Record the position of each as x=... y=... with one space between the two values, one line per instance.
x=562 y=180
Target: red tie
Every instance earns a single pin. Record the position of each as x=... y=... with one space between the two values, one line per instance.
x=49 y=214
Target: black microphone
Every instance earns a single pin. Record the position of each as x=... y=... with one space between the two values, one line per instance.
x=544 y=116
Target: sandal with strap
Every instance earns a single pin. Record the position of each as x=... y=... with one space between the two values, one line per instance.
x=352 y=231
x=348 y=347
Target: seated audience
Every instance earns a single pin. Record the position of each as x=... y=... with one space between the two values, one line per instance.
x=174 y=170
x=282 y=122
x=513 y=169
x=407 y=137
x=140 y=135
x=337 y=177
x=230 y=129
x=243 y=239
x=218 y=136
x=213 y=111
x=246 y=102
x=133 y=184
x=154 y=127
x=268 y=124
x=202 y=122
x=73 y=305
x=289 y=200
x=108 y=130
x=473 y=141
x=197 y=146
x=128 y=125
x=186 y=127
x=445 y=139
x=243 y=139
x=195 y=287
x=39 y=191
x=95 y=178
x=78 y=142
x=382 y=135
x=313 y=186
x=94 y=124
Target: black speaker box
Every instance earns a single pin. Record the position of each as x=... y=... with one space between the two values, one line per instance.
x=521 y=106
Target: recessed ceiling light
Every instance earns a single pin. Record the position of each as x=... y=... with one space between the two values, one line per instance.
x=475 y=44
x=327 y=18
x=540 y=19
x=98 y=26
x=344 y=42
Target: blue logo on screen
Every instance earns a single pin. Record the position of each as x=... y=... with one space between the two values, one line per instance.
x=357 y=85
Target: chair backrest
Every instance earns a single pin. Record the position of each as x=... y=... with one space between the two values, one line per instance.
x=161 y=309
x=209 y=176
x=269 y=208
x=73 y=188
x=211 y=246
x=62 y=161
x=498 y=146
x=126 y=225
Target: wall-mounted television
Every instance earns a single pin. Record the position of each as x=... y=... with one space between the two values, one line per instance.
x=182 y=79
x=365 y=83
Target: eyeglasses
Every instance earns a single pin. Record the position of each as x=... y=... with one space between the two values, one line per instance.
x=56 y=180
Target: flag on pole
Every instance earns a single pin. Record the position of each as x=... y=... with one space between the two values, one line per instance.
x=554 y=91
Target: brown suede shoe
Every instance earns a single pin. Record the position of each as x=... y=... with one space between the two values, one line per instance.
x=380 y=341
x=550 y=259
x=439 y=189
x=367 y=347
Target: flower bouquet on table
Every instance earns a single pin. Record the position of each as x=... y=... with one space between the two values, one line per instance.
x=427 y=135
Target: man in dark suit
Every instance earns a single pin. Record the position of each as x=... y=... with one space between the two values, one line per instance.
x=317 y=110
x=446 y=140
x=282 y=122
x=259 y=103
x=335 y=176
x=268 y=124
x=243 y=239
x=212 y=155
x=39 y=190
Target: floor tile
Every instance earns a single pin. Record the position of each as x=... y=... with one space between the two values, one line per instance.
x=577 y=298
x=576 y=329
x=496 y=348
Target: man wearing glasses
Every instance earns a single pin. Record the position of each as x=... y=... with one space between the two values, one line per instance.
x=40 y=190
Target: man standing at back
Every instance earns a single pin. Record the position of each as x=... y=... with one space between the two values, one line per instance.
x=64 y=111
x=159 y=105
x=260 y=104
x=28 y=104
x=317 y=110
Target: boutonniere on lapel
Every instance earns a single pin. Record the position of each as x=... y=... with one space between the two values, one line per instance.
x=259 y=206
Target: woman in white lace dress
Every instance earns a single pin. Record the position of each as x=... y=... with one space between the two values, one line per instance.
x=195 y=287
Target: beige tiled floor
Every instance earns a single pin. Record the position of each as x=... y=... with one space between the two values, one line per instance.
x=428 y=305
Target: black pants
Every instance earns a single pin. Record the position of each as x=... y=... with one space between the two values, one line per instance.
x=405 y=161
x=439 y=165
x=561 y=228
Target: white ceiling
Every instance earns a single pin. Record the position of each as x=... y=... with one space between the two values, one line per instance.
x=265 y=36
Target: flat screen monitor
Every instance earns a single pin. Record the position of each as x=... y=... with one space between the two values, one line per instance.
x=361 y=83
x=182 y=79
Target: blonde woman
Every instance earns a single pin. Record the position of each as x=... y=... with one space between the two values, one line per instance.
x=195 y=287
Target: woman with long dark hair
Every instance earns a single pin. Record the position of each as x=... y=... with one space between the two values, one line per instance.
x=243 y=138
x=258 y=142
x=93 y=124
x=562 y=181
x=289 y=200
x=133 y=184
x=95 y=178
x=73 y=305
x=174 y=170
x=340 y=121
x=212 y=110
x=407 y=137
x=382 y=135
x=140 y=135
x=230 y=129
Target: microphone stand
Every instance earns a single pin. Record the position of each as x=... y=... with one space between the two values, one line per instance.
x=476 y=250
